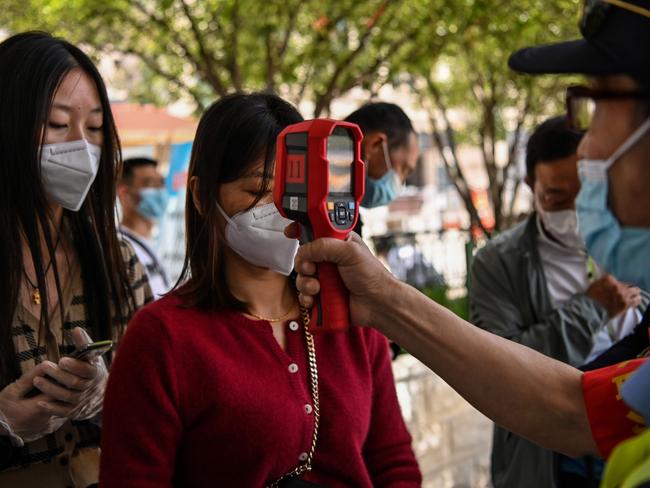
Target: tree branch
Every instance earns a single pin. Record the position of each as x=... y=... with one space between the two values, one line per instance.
x=305 y=82
x=453 y=169
x=521 y=119
x=274 y=54
x=392 y=49
x=173 y=79
x=442 y=107
x=211 y=72
x=460 y=184
x=509 y=218
x=326 y=97
x=270 y=63
x=322 y=36
x=233 y=57
x=187 y=51
x=291 y=25
x=512 y=156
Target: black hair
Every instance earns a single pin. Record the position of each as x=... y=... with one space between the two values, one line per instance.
x=32 y=66
x=552 y=140
x=384 y=117
x=233 y=135
x=130 y=164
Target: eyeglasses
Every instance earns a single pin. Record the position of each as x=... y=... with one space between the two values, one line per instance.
x=581 y=103
x=595 y=12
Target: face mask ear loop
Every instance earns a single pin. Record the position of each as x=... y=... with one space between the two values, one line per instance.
x=631 y=141
x=225 y=216
x=387 y=160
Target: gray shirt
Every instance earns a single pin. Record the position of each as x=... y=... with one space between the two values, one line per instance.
x=569 y=271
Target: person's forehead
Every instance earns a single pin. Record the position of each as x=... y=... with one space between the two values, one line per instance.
x=256 y=171
x=558 y=170
x=76 y=92
x=613 y=82
x=146 y=171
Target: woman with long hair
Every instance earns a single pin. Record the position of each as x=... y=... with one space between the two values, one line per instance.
x=219 y=383
x=65 y=276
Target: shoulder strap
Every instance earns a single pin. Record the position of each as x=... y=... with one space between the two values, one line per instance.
x=142 y=245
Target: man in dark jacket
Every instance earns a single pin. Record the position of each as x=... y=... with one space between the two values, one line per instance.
x=535 y=285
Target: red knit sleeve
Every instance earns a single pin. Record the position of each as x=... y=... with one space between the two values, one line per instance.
x=387 y=450
x=611 y=420
x=141 y=426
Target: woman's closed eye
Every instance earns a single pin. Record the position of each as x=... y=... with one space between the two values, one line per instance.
x=57 y=126
x=256 y=192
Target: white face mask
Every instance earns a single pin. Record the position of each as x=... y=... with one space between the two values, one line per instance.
x=68 y=169
x=563 y=226
x=257 y=235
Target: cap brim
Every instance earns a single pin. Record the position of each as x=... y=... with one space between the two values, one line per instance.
x=573 y=57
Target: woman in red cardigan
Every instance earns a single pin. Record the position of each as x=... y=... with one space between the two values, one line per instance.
x=213 y=385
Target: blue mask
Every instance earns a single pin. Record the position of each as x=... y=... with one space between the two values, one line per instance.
x=153 y=203
x=621 y=251
x=384 y=190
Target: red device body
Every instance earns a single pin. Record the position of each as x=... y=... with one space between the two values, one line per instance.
x=319 y=182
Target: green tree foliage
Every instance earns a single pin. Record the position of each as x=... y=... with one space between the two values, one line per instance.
x=495 y=104
x=306 y=49
x=316 y=51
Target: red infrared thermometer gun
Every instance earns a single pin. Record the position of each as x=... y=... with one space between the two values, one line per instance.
x=319 y=182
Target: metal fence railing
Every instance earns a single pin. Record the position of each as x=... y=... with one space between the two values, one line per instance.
x=425 y=259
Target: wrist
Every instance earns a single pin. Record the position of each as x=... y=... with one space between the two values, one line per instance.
x=388 y=296
x=7 y=431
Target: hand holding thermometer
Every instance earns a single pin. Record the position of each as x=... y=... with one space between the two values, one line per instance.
x=319 y=182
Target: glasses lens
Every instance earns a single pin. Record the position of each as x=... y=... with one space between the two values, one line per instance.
x=594 y=13
x=582 y=113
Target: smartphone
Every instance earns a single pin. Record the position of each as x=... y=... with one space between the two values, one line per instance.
x=92 y=350
x=85 y=353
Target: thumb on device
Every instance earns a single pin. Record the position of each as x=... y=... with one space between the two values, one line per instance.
x=325 y=250
x=293 y=230
x=80 y=337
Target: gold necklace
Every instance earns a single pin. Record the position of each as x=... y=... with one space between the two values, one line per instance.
x=271 y=320
x=36 y=293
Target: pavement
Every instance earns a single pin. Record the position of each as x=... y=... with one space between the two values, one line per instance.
x=451 y=439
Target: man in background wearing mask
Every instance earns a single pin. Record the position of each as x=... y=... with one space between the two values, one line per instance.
x=389 y=149
x=143 y=199
x=535 y=284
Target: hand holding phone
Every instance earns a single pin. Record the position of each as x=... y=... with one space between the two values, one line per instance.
x=86 y=353
x=23 y=419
